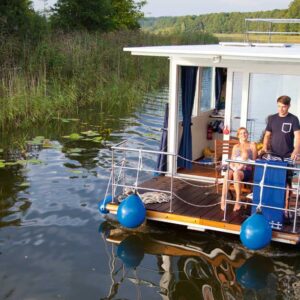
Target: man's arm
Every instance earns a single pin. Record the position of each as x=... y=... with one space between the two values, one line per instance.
x=296 y=151
x=266 y=142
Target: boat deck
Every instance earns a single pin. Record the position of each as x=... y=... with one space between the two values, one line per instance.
x=199 y=209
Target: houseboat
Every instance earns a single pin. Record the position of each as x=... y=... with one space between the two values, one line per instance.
x=213 y=90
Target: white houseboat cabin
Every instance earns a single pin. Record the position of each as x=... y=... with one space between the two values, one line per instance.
x=213 y=90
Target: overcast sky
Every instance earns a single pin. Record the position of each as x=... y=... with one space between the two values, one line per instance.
x=156 y=8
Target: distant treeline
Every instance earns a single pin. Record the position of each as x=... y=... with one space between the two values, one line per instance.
x=221 y=22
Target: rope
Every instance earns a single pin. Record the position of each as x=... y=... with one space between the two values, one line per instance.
x=154 y=197
x=196 y=205
x=199 y=163
x=157 y=197
x=119 y=176
x=261 y=185
x=140 y=165
x=196 y=185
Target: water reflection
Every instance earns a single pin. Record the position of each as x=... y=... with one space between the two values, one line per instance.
x=180 y=265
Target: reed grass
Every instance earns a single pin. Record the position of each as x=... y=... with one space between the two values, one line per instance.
x=240 y=37
x=63 y=73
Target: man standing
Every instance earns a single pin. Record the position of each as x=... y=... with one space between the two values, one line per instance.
x=282 y=137
x=282 y=134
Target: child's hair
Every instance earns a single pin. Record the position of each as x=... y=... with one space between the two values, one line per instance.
x=286 y=100
x=240 y=129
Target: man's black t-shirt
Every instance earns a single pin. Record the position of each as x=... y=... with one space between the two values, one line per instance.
x=282 y=133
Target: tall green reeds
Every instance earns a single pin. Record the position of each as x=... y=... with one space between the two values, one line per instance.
x=62 y=73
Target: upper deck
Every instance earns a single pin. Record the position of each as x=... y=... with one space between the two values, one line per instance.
x=228 y=51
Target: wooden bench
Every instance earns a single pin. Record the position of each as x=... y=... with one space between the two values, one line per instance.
x=221 y=148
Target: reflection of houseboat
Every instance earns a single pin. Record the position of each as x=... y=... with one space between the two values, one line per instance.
x=213 y=90
x=184 y=268
x=183 y=265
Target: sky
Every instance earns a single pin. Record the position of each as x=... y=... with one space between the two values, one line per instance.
x=156 y=8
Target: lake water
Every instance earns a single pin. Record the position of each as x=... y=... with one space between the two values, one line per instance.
x=54 y=244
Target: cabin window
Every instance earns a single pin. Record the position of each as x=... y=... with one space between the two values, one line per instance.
x=205 y=91
x=263 y=92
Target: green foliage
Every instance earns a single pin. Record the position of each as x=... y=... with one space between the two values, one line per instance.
x=64 y=73
x=220 y=22
x=18 y=18
x=95 y=15
x=294 y=9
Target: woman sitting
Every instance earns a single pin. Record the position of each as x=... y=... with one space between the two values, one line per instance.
x=243 y=151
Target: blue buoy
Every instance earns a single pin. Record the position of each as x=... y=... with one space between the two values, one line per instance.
x=105 y=228
x=131 y=251
x=102 y=204
x=254 y=273
x=131 y=212
x=256 y=232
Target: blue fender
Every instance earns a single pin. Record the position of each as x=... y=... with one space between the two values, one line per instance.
x=102 y=204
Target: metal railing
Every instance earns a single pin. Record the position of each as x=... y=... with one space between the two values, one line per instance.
x=119 y=171
x=121 y=147
x=270 y=31
x=262 y=185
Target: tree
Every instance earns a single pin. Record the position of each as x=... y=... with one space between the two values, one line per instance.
x=92 y=15
x=294 y=9
x=126 y=14
x=16 y=16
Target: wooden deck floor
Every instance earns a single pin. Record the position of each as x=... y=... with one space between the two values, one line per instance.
x=197 y=206
x=198 y=200
x=202 y=201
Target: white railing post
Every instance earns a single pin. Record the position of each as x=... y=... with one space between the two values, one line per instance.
x=171 y=186
x=112 y=176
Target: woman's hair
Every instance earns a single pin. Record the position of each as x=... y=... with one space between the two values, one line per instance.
x=240 y=129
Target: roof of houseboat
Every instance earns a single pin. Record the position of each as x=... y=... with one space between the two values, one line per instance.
x=231 y=51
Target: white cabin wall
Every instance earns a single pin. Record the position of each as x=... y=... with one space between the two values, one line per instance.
x=199 y=134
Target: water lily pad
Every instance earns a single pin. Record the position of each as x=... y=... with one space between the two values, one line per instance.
x=74 y=154
x=76 y=150
x=21 y=162
x=75 y=171
x=34 y=161
x=1 y=150
x=151 y=135
x=38 y=140
x=47 y=144
x=97 y=139
x=90 y=133
x=11 y=163
x=2 y=164
x=73 y=136
x=66 y=120
x=25 y=184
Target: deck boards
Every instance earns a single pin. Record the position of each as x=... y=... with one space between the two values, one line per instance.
x=204 y=195
x=192 y=194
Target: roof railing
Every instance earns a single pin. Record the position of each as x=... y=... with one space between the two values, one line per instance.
x=270 y=31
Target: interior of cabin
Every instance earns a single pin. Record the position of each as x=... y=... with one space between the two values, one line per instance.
x=227 y=99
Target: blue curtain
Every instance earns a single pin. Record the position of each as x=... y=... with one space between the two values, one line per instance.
x=188 y=86
x=162 y=158
x=218 y=86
